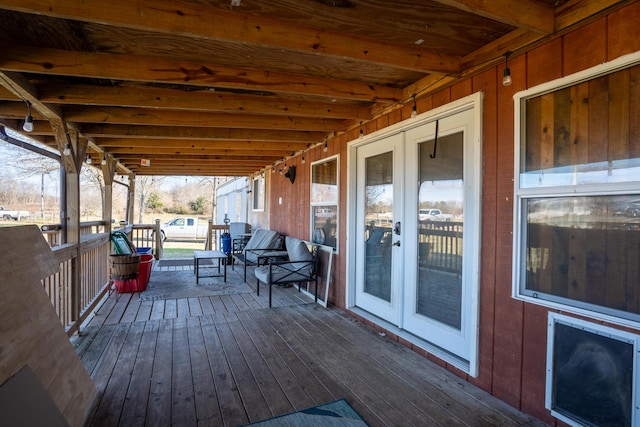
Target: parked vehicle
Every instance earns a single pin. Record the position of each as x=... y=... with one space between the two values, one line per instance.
x=184 y=228
x=12 y=215
x=434 y=215
x=633 y=210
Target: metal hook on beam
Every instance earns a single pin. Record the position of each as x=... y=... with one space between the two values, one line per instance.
x=435 y=142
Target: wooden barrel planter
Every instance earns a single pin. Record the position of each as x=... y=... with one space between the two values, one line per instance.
x=124 y=267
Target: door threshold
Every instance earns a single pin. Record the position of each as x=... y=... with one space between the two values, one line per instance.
x=439 y=352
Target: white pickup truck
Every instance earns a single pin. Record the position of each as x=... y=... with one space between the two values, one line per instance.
x=12 y=215
x=184 y=228
x=434 y=215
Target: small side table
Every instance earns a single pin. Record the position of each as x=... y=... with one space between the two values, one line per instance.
x=212 y=255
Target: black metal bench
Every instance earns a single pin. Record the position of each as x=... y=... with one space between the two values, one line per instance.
x=261 y=242
x=301 y=267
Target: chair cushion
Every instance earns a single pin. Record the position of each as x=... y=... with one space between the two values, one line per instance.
x=236 y=228
x=297 y=250
x=261 y=239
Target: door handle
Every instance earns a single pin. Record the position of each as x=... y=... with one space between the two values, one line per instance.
x=397 y=229
x=397 y=243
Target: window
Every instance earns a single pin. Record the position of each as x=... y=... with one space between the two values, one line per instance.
x=591 y=373
x=577 y=175
x=258 y=194
x=324 y=202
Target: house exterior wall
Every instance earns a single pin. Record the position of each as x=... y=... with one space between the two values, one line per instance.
x=513 y=333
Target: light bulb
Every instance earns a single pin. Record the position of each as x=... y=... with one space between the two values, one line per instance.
x=28 y=123
x=104 y=162
x=506 y=77
x=414 y=109
x=88 y=159
x=67 y=149
x=303 y=160
x=325 y=148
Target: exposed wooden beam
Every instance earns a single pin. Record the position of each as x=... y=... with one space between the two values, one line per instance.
x=574 y=11
x=30 y=59
x=119 y=152
x=26 y=91
x=191 y=171
x=198 y=100
x=203 y=160
x=169 y=132
x=194 y=20
x=113 y=143
x=139 y=116
x=567 y=15
x=527 y=14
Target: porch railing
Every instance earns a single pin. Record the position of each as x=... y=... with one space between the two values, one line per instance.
x=74 y=299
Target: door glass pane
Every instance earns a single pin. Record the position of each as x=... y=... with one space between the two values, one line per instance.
x=378 y=220
x=440 y=214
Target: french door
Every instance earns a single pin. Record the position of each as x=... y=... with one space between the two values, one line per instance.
x=417 y=218
x=378 y=244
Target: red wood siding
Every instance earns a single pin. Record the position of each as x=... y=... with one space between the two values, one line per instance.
x=512 y=333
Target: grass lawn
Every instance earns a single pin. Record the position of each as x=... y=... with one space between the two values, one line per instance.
x=181 y=249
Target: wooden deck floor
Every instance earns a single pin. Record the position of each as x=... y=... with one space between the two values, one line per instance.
x=230 y=360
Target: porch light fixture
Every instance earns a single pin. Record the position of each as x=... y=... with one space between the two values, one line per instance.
x=506 y=75
x=361 y=131
x=414 y=109
x=325 y=148
x=303 y=161
x=88 y=159
x=28 y=120
x=104 y=162
x=67 y=150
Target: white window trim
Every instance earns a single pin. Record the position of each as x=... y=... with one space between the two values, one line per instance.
x=586 y=190
x=337 y=203
x=253 y=189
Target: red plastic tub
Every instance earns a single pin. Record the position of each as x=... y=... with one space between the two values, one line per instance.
x=126 y=285
x=144 y=271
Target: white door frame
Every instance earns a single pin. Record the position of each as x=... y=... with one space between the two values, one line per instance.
x=472 y=210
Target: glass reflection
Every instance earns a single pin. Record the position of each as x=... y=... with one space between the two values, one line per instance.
x=585 y=248
x=440 y=214
x=378 y=220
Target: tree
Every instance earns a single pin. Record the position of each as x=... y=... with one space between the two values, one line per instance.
x=198 y=205
x=153 y=202
x=145 y=186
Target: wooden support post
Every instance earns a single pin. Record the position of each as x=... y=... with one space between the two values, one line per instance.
x=132 y=194
x=159 y=242
x=108 y=173
x=210 y=236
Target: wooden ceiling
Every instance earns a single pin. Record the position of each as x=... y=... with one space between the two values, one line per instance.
x=204 y=87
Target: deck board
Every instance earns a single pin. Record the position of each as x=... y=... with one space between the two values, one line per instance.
x=183 y=409
x=135 y=405
x=159 y=401
x=205 y=396
x=230 y=360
